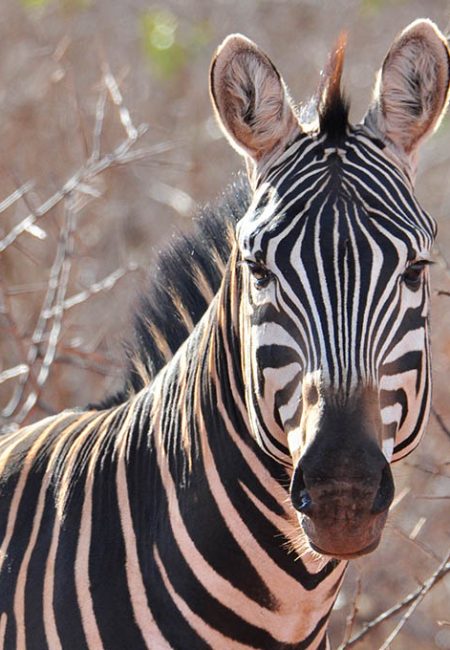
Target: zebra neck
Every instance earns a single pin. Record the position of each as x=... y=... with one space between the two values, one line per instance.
x=224 y=502
x=199 y=396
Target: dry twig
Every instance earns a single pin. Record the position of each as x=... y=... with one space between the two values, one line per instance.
x=35 y=359
x=79 y=182
x=412 y=600
x=351 y=618
x=57 y=286
x=439 y=419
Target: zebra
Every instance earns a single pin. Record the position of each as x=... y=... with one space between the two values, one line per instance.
x=281 y=364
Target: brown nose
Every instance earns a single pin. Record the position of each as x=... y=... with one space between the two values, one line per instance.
x=342 y=484
x=343 y=515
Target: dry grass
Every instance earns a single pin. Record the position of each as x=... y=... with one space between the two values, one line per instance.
x=87 y=195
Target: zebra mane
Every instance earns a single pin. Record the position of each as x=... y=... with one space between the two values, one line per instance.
x=181 y=284
x=333 y=105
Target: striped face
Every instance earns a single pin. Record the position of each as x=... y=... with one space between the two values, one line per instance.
x=334 y=302
x=335 y=249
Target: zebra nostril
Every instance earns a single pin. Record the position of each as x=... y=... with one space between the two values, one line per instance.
x=385 y=494
x=300 y=497
x=302 y=502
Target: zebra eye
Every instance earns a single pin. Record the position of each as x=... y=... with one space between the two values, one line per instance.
x=412 y=277
x=260 y=272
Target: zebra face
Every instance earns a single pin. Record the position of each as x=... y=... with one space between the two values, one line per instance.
x=335 y=298
x=333 y=255
x=335 y=327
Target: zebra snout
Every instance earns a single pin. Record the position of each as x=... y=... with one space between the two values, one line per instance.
x=343 y=515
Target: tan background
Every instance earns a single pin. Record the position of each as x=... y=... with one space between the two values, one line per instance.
x=54 y=59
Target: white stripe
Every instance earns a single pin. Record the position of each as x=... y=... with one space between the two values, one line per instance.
x=82 y=579
x=391 y=414
x=213 y=638
x=388 y=448
x=138 y=596
x=3 y=623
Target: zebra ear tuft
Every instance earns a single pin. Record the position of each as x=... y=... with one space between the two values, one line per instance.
x=412 y=89
x=250 y=99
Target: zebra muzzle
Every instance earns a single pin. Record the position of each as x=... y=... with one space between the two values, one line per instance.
x=342 y=516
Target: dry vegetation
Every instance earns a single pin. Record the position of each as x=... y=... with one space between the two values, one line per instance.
x=88 y=194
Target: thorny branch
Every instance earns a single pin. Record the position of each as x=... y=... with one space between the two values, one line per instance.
x=16 y=195
x=106 y=284
x=6 y=312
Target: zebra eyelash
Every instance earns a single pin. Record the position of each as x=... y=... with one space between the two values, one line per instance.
x=259 y=271
x=412 y=276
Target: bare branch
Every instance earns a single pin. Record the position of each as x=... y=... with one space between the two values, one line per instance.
x=411 y=539
x=177 y=199
x=425 y=588
x=21 y=289
x=439 y=419
x=431 y=497
x=91 y=362
x=98 y=128
x=57 y=287
x=117 y=99
x=20 y=193
x=16 y=195
x=106 y=284
x=16 y=371
x=6 y=311
x=119 y=156
x=413 y=599
x=426 y=470
x=352 y=616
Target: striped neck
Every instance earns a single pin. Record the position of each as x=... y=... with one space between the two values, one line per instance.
x=242 y=538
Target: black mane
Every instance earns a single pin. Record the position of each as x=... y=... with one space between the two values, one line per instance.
x=182 y=283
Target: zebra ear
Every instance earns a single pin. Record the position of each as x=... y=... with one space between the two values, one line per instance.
x=412 y=89
x=250 y=99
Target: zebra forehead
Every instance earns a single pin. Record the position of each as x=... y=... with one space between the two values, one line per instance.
x=353 y=182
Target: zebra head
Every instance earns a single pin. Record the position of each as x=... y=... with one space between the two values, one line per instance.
x=332 y=256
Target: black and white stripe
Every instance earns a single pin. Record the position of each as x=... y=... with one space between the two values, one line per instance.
x=337 y=240
x=213 y=502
